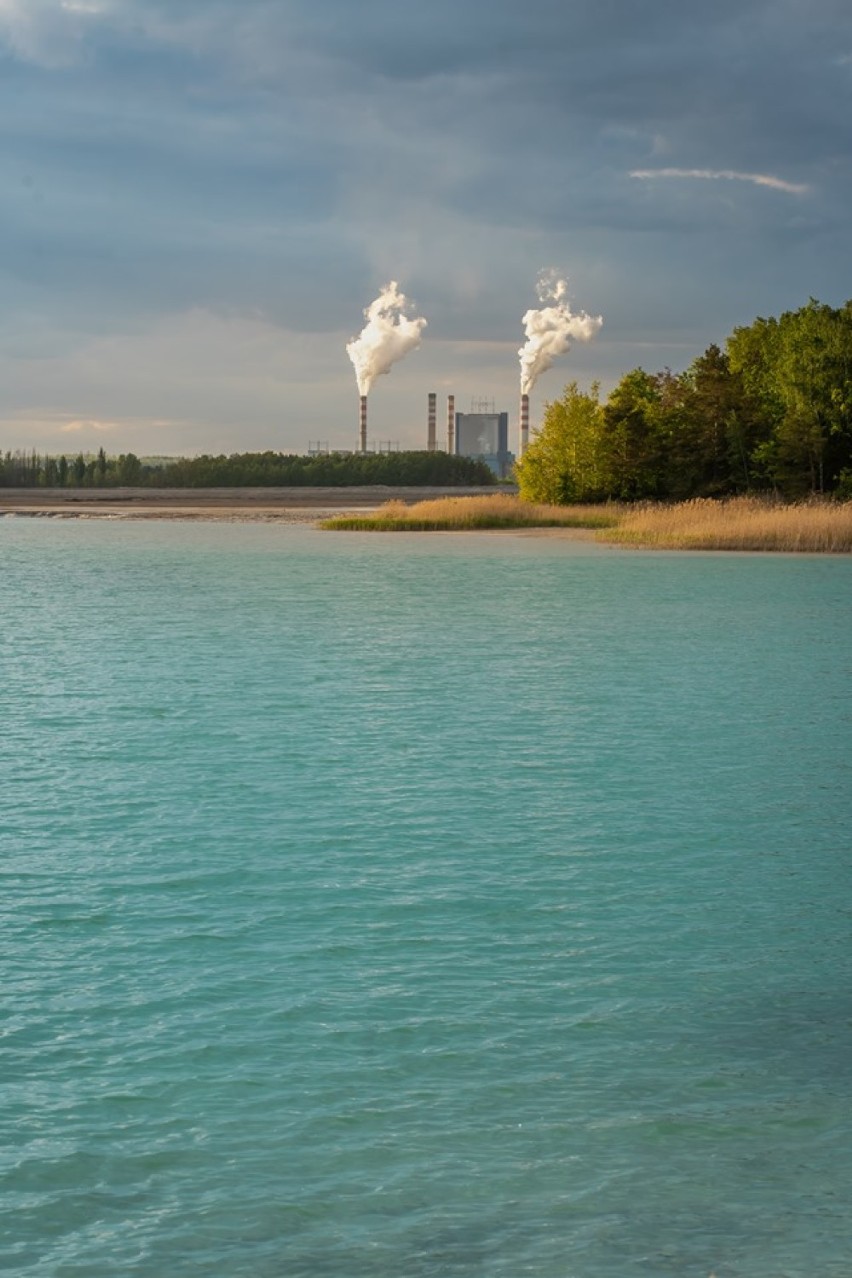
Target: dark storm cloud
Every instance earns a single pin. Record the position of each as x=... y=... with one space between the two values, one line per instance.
x=130 y=191
x=555 y=104
x=310 y=102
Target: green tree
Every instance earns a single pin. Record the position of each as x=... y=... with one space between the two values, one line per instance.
x=710 y=428
x=129 y=469
x=633 y=458
x=814 y=375
x=562 y=464
x=798 y=372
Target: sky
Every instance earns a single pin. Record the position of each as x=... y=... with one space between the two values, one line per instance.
x=201 y=197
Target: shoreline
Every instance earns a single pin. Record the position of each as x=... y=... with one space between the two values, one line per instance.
x=303 y=506
x=309 y=506
x=268 y=505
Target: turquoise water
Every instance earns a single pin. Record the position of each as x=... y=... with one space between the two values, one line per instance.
x=421 y=906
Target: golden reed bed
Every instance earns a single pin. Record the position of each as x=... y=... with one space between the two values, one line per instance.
x=742 y=523
x=447 y=514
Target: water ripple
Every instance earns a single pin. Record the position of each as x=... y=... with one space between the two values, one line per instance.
x=466 y=906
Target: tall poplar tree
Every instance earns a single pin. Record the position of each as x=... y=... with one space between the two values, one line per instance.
x=563 y=461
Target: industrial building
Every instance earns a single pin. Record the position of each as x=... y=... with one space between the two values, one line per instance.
x=483 y=433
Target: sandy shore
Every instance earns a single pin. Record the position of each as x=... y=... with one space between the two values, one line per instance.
x=272 y=505
x=235 y=505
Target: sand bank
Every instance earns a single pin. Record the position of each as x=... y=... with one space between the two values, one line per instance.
x=273 y=505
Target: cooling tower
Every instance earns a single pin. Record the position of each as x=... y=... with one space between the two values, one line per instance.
x=431 y=441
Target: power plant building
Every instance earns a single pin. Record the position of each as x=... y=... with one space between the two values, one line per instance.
x=485 y=436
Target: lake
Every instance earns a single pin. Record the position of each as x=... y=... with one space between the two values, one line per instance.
x=421 y=906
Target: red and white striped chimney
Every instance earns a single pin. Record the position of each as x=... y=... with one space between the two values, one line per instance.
x=524 y=434
x=451 y=425
x=362 y=426
x=431 y=437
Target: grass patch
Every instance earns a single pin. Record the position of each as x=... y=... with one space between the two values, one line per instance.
x=743 y=523
x=448 y=514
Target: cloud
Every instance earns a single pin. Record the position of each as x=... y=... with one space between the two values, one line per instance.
x=49 y=33
x=74 y=427
x=727 y=175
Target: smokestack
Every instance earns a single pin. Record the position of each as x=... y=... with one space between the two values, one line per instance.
x=362 y=432
x=451 y=425
x=433 y=418
x=524 y=435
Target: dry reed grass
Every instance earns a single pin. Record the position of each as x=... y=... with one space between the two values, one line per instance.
x=743 y=523
x=500 y=510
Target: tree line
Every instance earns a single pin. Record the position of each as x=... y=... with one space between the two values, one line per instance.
x=243 y=470
x=772 y=411
x=31 y=469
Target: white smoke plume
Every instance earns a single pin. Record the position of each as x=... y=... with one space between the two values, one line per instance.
x=550 y=330
x=387 y=336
